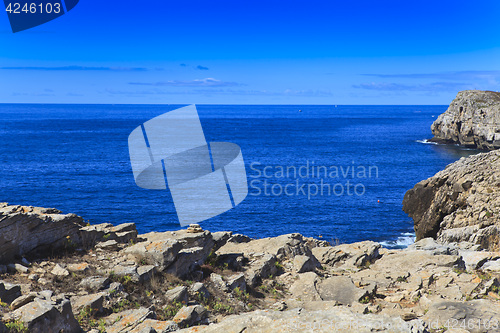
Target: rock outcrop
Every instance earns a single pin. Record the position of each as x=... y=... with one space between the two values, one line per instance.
x=27 y=229
x=460 y=203
x=472 y=120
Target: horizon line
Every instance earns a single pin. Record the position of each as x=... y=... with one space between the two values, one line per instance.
x=175 y=104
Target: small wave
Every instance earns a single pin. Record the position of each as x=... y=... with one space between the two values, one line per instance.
x=426 y=141
x=403 y=241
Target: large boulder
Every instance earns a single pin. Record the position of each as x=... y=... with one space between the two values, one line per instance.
x=106 y=232
x=258 y=257
x=44 y=316
x=34 y=230
x=460 y=203
x=129 y=320
x=356 y=254
x=472 y=120
x=175 y=252
x=9 y=292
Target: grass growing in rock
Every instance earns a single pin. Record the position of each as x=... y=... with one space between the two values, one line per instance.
x=16 y=326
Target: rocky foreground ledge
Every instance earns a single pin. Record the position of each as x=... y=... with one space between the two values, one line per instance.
x=472 y=120
x=60 y=275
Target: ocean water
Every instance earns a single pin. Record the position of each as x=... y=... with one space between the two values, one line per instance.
x=75 y=158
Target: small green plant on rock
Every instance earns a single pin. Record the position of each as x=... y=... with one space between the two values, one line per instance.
x=169 y=311
x=3 y=304
x=365 y=300
x=16 y=326
x=102 y=326
x=402 y=279
x=241 y=295
x=121 y=305
x=495 y=289
x=127 y=279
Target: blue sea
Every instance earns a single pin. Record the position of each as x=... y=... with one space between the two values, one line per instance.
x=75 y=158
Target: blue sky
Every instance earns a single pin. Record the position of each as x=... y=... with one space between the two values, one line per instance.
x=254 y=52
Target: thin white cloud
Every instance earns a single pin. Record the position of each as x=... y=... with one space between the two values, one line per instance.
x=452 y=76
x=434 y=86
x=207 y=82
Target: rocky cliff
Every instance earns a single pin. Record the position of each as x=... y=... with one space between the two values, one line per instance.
x=472 y=120
x=27 y=229
x=460 y=203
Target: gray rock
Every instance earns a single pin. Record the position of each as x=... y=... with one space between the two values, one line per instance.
x=114 y=287
x=279 y=306
x=237 y=281
x=93 y=302
x=492 y=266
x=287 y=246
x=9 y=292
x=177 y=252
x=355 y=254
x=42 y=316
x=155 y=326
x=3 y=269
x=190 y=315
x=488 y=286
x=130 y=271
x=46 y=294
x=475 y=259
x=260 y=267
x=472 y=120
x=146 y=272
x=302 y=264
x=474 y=312
x=220 y=238
x=17 y=268
x=110 y=245
x=239 y=238
x=219 y=282
x=177 y=294
x=262 y=254
x=329 y=319
x=127 y=321
x=459 y=204
x=23 y=300
x=430 y=244
x=340 y=289
x=199 y=288
x=123 y=233
x=24 y=229
x=59 y=271
x=305 y=287
x=95 y=283
x=78 y=268
x=188 y=260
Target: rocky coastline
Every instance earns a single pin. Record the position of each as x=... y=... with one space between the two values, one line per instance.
x=460 y=203
x=105 y=278
x=472 y=120
x=60 y=274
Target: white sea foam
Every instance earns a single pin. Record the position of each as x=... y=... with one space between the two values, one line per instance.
x=403 y=241
x=426 y=141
